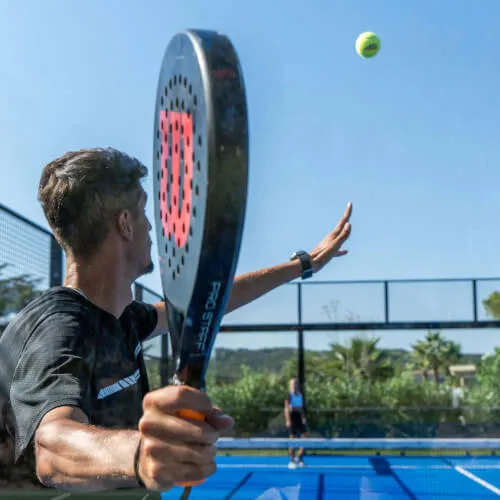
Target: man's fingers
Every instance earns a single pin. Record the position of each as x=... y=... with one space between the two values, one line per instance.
x=171 y=427
x=347 y=214
x=339 y=236
x=220 y=421
x=348 y=210
x=344 y=220
x=178 y=452
x=176 y=459
x=160 y=474
x=193 y=474
x=172 y=399
x=346 y=231
x=176 y=448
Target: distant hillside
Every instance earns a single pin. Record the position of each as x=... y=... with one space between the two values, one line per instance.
x=227 y=362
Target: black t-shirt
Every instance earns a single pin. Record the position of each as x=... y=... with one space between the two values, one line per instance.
x=63 y=350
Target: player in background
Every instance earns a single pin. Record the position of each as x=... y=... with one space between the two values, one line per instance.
x=296 y=421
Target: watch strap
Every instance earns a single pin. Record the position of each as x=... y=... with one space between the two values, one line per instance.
x=305 y=262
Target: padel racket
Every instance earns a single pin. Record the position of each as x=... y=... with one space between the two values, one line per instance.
x=200 y=170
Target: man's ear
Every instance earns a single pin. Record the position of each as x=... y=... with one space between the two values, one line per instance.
x=125 y=226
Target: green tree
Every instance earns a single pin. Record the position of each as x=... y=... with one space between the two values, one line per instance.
x=362 y=358
x=254 y=400
x=318 y=366
x=16 y=292
x=420 y=359
x=488 y=371
x=434 y=353
x=492 y=305
x=482 y=398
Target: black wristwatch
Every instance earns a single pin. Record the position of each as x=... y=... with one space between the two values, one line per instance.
x=305 y=262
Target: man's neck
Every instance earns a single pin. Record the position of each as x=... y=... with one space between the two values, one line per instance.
x=106 y=286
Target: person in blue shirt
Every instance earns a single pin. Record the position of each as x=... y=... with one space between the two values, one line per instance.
x=296 y=421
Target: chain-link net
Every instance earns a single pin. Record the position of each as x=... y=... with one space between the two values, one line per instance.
x=25 y=249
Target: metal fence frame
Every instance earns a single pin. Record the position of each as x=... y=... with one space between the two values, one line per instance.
x=300 y=327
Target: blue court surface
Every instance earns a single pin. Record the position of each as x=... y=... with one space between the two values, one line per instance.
x=352 y=477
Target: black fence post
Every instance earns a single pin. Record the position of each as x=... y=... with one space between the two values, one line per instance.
x=137 y=292
x=56 y=263
x=386 y=301
x=164 y=374
x=474 y=299
x=300 y=332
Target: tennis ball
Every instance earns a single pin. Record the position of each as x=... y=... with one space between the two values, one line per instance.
x=367 y=44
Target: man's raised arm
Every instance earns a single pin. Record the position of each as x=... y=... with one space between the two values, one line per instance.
x=253 y=285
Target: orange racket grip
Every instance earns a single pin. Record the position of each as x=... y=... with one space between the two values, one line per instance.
x=192 y=415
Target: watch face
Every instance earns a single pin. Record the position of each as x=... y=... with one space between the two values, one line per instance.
x=298 y=253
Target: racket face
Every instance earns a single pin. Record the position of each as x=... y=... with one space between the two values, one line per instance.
x=180 y=168
x=200 y=170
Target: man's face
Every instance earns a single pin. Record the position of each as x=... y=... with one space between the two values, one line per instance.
x=142 y=240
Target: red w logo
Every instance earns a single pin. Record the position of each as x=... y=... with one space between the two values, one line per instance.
x=176 y=129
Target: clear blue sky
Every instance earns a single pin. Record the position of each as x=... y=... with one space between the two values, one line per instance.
x=410 y=137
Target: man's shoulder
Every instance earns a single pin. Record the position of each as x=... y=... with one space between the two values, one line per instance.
x=54 y=301
x=137 y=307
x=142 y=315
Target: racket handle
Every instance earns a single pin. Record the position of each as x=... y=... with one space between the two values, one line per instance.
x=192 y=415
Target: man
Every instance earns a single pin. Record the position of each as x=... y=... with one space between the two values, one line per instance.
x=78 y=387
x=296 y=421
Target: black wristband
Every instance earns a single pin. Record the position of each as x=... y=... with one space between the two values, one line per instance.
x=140 y=482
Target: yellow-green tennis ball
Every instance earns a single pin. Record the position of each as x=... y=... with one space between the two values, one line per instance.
x=367 y=44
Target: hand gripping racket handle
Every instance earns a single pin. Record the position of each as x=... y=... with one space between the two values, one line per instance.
x=193 y=415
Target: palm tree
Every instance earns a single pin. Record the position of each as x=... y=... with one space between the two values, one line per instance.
x=434 y=353
x=363 y=358
x=420 y=359
x=317 y=365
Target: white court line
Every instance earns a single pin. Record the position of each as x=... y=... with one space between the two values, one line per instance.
x=283 y=466
x=67 y=495
x=314 y=466
x=478 y=480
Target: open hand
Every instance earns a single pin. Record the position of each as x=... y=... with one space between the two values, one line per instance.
x=331 y=245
